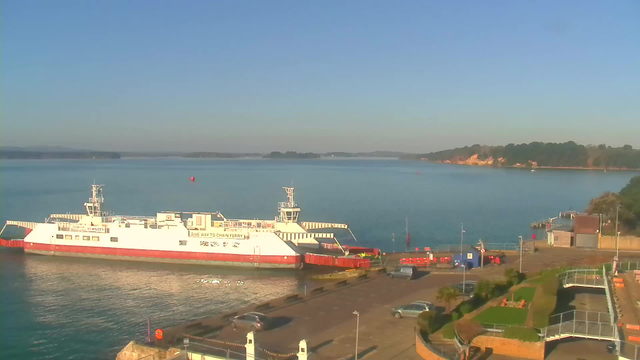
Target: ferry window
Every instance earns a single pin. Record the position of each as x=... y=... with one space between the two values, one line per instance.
x=114 y=239
x=183 y=242
x=68 y=237
x=198 y=221
x=59 y=236
x=77 y=237
x=85 y=237
x=204 y=243
x=95 y=238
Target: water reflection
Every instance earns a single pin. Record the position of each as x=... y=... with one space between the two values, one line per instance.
x=89 y=297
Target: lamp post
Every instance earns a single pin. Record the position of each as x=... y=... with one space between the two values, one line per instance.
x=462 y=263
x=617 y=232
x=520 y=254
x=357 y=314
x=393 y=240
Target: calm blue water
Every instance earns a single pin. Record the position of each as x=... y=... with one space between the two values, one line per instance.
x=73 y=308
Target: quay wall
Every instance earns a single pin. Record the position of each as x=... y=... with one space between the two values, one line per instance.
x=624 y=243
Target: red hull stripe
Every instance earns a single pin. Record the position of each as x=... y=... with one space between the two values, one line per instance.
x=11 y=243
x=162 y=254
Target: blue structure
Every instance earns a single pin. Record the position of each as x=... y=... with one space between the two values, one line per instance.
x=470 y=257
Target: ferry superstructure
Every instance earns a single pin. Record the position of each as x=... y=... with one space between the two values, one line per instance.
x=181 y=237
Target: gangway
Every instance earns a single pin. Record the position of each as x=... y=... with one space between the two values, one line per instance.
x=582 y=324
x=592 y=278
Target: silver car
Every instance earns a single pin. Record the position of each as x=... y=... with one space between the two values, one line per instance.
x=412 y=310
x=252 y=320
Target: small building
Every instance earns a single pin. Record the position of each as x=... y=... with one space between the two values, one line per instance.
x=561 y=236
x=586 y=229
x=470 y=257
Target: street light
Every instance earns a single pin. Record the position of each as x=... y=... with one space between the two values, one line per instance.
x=617 y=232
x=464 y=267
x=520 y=254
x=357 y=314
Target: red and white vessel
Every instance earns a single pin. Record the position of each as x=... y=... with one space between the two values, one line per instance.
x=186 y=237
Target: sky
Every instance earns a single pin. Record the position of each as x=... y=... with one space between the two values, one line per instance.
x=361 y=75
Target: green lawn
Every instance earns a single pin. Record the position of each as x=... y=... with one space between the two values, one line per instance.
x=525 y=293
x=503 y=316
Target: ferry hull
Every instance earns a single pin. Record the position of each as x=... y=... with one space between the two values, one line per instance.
x=180 y=257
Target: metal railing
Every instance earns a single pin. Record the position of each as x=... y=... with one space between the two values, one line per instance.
x=583 y=277
x=201 y=350
x=579 y=323
x=613 y=315
x=448 y=352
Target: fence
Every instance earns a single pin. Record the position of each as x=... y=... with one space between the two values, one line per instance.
x=579 y=323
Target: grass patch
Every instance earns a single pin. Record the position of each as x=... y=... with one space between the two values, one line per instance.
x=503 y=316
x=448 y=331
x=525 y=293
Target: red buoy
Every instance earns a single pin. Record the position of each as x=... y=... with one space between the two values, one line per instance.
x=193 y=179
x=159 y=334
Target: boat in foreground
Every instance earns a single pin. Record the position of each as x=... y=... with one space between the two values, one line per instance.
x=188 y=237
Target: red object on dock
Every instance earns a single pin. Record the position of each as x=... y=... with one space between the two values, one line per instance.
x=12 y=243
x=159 y=334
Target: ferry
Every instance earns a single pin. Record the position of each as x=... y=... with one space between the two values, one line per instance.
x=189 y=237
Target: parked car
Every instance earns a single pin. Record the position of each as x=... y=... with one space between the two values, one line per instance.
x=469 y=287
x=407 y=272
x=251 y=320
x=411 y=310
x=429 y=304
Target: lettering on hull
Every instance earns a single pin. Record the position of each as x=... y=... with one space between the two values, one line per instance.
x=218 y=235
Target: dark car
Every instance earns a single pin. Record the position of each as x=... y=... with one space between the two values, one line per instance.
x=469 y=288
x=252 y=320
x=406 y=272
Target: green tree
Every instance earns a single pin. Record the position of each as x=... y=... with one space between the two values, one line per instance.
x=485 y=289
x=630 y=202
x=512 y=276
x=447 y=295
x=604 y=204
x=427 y=322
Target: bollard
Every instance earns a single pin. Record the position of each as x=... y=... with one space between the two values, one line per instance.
x=302 y=350
x=251 y=346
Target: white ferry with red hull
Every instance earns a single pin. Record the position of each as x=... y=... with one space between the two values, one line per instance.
x=179 y=237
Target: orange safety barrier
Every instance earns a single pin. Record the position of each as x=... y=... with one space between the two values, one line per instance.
x=634 y=338
x=618 y=280
x=619 y=284
x=633 y=327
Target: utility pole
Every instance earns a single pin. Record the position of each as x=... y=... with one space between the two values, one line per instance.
x=520 y=254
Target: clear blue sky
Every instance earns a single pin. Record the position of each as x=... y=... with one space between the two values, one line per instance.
x=314 y=76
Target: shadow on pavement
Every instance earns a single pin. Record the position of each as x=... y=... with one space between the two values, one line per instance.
x=279 y=321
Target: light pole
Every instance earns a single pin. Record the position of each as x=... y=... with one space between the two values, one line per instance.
x=357 y=314
x=462 y=263
x=617 y=232
x=520 y=253
x=393 y=240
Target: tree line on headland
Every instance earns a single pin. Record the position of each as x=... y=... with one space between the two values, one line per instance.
x=539 y=154
x=625 y=203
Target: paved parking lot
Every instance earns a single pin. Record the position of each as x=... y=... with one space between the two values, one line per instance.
x=329 y=325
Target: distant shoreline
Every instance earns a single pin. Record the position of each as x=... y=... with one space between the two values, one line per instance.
x=532 y=168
